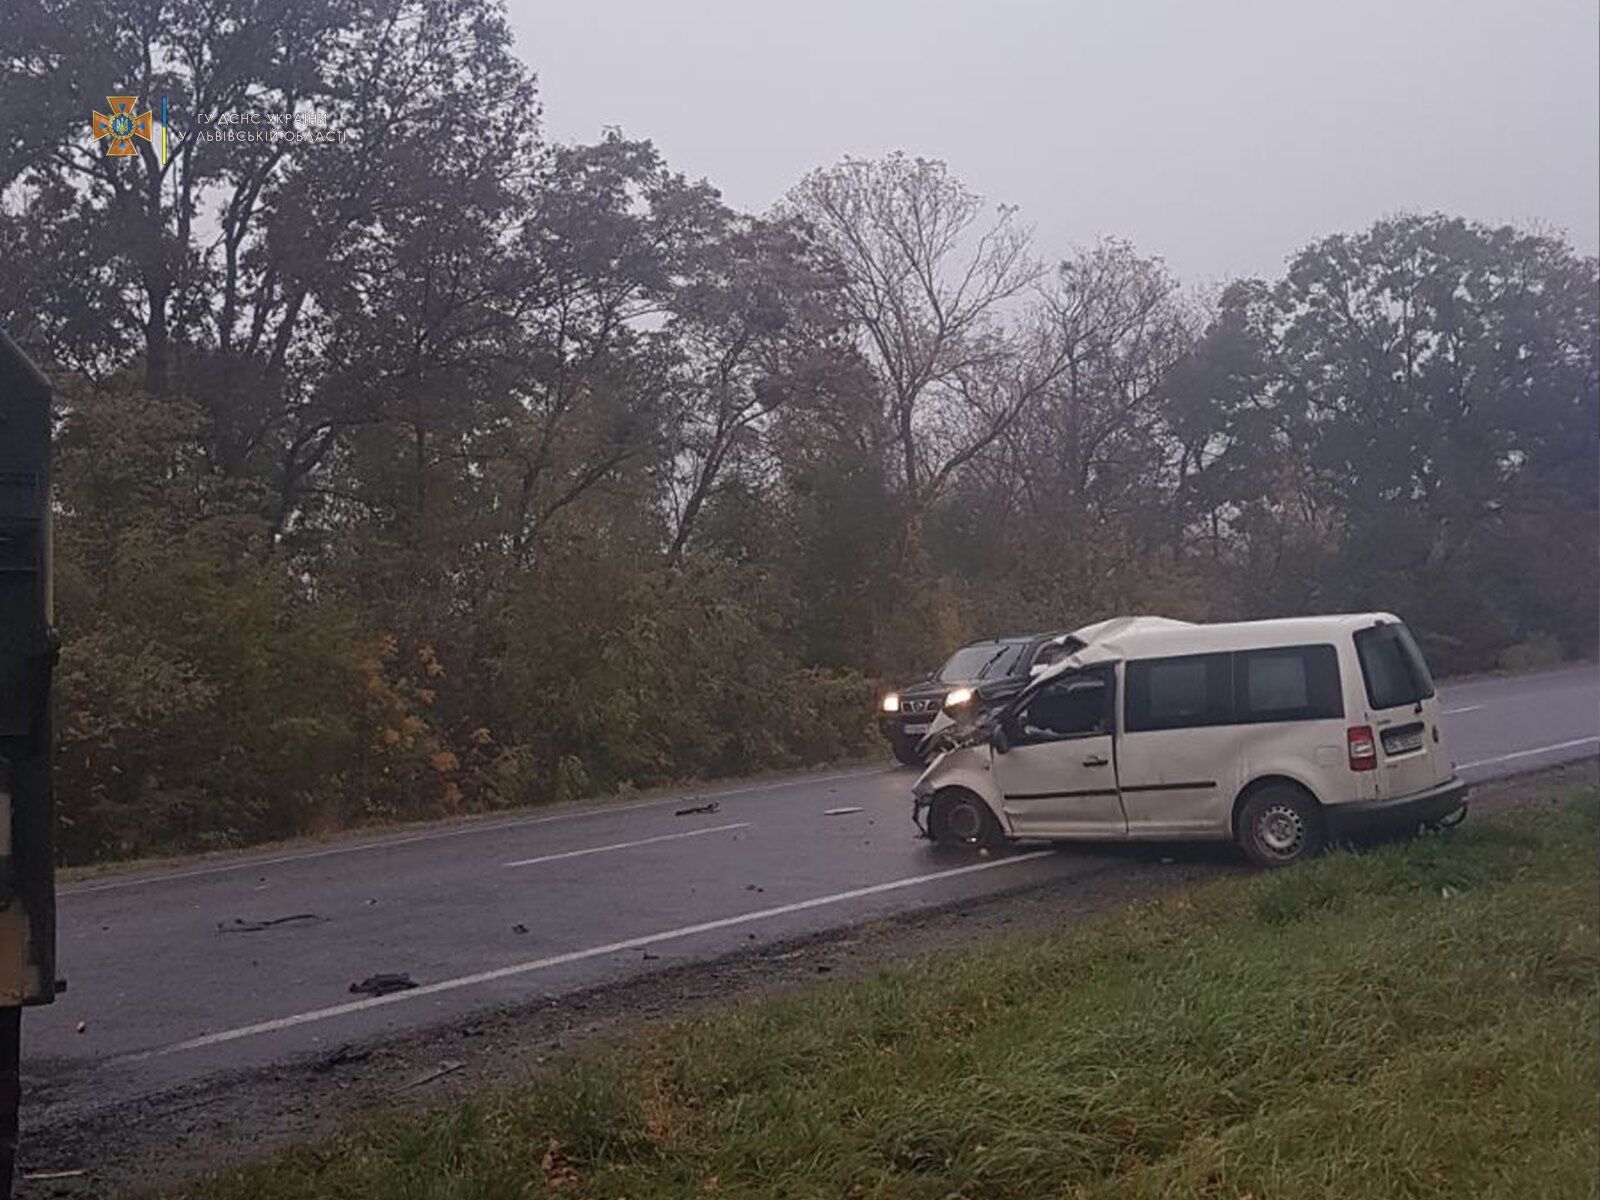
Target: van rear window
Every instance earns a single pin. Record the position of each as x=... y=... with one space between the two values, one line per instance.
x=1392 y=666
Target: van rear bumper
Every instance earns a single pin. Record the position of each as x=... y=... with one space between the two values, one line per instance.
x=1365 y=816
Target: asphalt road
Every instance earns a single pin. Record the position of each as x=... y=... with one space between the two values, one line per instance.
x=245 y=962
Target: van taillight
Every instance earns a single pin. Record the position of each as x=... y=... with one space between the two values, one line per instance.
x=1363 y=748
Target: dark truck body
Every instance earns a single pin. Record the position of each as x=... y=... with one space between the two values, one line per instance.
x=995 y=669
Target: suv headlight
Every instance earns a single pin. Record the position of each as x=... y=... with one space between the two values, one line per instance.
x=956 y=697
x=891 y=702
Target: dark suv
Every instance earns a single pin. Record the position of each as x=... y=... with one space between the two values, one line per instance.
x=987 y=671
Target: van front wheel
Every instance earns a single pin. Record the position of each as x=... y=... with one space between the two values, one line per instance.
x=1279 y=825
x=958 y=818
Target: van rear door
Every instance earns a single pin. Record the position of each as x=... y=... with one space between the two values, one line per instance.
x=1403 y=711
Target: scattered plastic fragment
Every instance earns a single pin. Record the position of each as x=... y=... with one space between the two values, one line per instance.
x=383 y=984
x=240 y=925
x=712 y=807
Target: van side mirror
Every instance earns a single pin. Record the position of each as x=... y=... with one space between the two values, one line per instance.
x=998 y=738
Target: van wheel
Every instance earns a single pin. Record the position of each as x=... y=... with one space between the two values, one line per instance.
x=1279 y=825
x=958 y=818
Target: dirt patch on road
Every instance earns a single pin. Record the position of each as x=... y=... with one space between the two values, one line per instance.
x=177 y=1135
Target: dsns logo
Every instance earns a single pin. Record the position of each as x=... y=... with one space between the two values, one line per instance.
x=122 y=126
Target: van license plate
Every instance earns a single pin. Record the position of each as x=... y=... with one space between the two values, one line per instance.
x=1403 y=742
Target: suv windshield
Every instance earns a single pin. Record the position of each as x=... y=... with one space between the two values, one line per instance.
x=982 y=660
x=1392 y=666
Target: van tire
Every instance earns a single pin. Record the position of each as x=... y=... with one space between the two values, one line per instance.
x=1279 y=824
x=958 y=817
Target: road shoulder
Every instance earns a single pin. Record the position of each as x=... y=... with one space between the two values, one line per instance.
x=176 y=1136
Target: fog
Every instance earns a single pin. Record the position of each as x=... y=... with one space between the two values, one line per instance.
x=1221 y=135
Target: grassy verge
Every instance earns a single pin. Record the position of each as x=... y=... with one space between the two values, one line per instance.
x=1414 y=1021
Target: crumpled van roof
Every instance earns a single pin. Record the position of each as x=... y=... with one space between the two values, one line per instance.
x=1156 y=637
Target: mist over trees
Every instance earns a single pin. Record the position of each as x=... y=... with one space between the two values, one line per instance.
x=430 y=466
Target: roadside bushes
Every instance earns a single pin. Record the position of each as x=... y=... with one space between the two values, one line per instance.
x=638 y=677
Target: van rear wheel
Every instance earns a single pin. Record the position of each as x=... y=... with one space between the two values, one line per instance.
x=958 y=817
x=1279 y=825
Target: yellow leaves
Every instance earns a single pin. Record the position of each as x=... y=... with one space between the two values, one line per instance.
x=412 y=724
x=452 y=795
x=559 y=1174
x=391 y=737
x=443 y=760
x=427 y=696
x=430 y=662
x=481 y=736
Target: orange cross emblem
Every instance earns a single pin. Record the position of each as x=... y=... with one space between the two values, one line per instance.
x=122 y=126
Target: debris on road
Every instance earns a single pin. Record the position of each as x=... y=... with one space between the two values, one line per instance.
x=81 y=1026
x=448 y=1067
x=697 y=809
x=383 y=984
x=240 y=925
x=840 y=812
x=519 y=927
x=345 y=1055
x=47 y=1176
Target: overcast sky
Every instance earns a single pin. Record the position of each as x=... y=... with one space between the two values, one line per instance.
x=1220 y=134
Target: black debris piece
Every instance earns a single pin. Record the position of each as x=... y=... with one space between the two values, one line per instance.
x=697 y=809
x=383 y=984
x=240 y=925
x=346 y=1055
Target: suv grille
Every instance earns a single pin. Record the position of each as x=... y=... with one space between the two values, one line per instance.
x=932 y=704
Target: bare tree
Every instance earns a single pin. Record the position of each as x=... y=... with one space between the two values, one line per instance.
x=930 y=281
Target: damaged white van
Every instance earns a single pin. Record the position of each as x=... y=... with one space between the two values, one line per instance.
x=1275 y=734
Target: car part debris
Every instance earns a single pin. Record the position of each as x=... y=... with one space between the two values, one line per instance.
x=698 y=809
x=448 y=1067
x=840 y=812
x=240 y=925
x=383 y=984
x=346 y=1055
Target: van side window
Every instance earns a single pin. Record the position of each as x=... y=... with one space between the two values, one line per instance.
x=1177 y=693
x=1072 y=706
x=1392 y=666
x=1288 y=683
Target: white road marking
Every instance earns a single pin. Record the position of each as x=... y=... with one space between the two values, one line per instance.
x=438 y=834
x=572 y=956
x=1450 y=712
x=1484 y=762
x=649 y=841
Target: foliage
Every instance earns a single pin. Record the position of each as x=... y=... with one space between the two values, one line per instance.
x=428 y=466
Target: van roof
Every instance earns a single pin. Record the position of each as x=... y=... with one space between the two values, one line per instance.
x=1158 y=637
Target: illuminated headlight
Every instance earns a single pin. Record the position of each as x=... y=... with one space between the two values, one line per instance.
x=957 y=697
x=891 y=702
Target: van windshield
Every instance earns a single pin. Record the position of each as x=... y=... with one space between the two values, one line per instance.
x=1392 y=666
x=983 y=660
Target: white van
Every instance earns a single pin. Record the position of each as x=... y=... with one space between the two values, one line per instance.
x=1276 y=734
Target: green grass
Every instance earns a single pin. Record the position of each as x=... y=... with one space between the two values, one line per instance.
x=1415 y=1021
